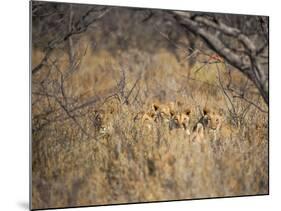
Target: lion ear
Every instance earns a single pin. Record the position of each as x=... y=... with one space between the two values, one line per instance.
x=206 y=111
x=187 y=111
x=155 y=107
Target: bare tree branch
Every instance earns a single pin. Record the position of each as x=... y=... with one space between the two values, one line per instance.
x=247 y=61
x=79 y=27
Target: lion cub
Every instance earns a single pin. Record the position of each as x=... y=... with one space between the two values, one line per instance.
x=180 y=120
x=157 y=113
x=163 y=112
x=210 y=122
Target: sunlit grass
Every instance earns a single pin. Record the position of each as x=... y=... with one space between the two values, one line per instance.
x=130 y=163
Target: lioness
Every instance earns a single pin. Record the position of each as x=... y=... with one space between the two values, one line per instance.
x=163 y=112
x=146 y=118
x=102 y=121
x=157 y=113
x=210 y=122
x=180 y=120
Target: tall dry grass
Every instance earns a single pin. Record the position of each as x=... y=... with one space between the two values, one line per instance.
x=126 y=162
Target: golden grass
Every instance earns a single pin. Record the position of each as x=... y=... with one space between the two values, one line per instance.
x=130 y=163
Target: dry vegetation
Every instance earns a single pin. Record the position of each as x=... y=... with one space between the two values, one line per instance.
x=130 y=163
x=88 y=150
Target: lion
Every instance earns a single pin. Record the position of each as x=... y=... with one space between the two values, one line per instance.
x=157 y=113
x=146 y=118
x=209 y=123
x=102 y=121
x=180 y=120
x=163 y=112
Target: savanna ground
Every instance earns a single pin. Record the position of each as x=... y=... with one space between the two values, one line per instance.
x=88 y=150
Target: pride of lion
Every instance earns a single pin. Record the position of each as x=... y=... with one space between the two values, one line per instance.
x=175 y=116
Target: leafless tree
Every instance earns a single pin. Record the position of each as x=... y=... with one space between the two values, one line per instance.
x=61 y=26
x=54 y=27
x=242 y=41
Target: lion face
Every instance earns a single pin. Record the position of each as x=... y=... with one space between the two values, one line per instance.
x=212 y=119
x=163 y=112
x=102 y=121
x=180 y=120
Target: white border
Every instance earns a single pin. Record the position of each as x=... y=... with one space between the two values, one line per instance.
x=14 y=110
